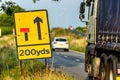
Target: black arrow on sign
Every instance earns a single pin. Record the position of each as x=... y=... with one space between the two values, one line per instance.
x=38 y=20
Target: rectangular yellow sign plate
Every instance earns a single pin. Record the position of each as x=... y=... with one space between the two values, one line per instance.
x=31 y=52
x=32 y=34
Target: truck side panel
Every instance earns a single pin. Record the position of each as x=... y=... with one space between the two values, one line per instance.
x=108 y=24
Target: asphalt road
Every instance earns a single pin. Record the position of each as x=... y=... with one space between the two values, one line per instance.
x=71 y=62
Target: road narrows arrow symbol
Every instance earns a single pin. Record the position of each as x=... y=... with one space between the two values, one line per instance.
x=38 y=20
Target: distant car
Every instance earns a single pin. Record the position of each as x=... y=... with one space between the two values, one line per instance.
x=60 y=43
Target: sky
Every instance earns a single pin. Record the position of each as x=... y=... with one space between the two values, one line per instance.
x=63 y=13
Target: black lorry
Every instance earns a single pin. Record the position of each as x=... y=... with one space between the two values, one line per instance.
x=102 y=56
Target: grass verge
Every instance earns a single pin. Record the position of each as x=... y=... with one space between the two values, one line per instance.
x=77 y=44
x=31 y=69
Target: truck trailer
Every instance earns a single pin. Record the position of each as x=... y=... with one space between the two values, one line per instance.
x=102 y=56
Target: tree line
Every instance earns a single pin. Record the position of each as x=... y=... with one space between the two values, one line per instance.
x=8 y=8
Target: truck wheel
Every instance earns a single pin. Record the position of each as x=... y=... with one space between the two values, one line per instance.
x=102 y=69
x=111 y=70
x=91 y=78
x=90 y=69
x=87 y=61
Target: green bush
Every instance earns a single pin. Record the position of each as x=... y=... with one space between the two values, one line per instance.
x=6 y=20
x=6 y=30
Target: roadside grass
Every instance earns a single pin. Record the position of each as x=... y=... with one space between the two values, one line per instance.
x=8 y=63
x=78 y=44
x=31 y=69
x=7 y=40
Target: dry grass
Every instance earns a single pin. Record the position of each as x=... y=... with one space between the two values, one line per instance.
x=78 y=42
x=41 y=76
x=7 y=41
x=46 y=76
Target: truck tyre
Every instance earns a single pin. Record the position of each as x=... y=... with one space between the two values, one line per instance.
x=111 y=69
x=87 y=61
x=89 y=65
x=102 y=69
x=90 y=69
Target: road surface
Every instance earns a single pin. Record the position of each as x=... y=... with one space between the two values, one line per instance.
x=72 y=63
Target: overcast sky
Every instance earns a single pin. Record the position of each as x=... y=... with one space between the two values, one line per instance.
x=61 y=14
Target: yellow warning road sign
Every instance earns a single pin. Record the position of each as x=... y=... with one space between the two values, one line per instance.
x=32 y=29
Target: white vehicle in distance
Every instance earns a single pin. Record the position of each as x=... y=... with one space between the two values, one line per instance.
x=60 y=43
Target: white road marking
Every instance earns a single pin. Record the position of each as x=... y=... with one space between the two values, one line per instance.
x=77 y=60
x=65 y=56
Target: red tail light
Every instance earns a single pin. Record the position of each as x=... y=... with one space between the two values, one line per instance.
x=66 y=42
x=55 y=42
x=118 y=71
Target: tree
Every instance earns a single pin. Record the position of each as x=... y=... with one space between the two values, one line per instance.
x=6 y=20
x=10 y=7
x=81 y=29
